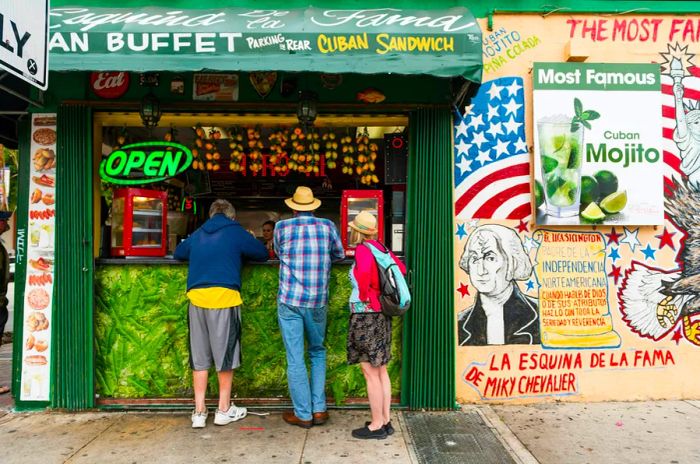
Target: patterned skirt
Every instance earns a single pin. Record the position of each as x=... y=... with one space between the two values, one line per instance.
x=369 y=339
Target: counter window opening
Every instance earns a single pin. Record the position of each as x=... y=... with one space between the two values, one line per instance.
x=254 y=161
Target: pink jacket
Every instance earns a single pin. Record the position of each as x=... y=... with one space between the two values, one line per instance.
x=367 y=274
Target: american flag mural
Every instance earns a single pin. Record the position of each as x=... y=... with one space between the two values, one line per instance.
x=691 y=96
x=492 y=164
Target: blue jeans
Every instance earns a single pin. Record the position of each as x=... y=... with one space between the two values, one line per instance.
x=294 y=322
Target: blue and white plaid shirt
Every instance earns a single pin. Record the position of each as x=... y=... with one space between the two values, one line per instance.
x=306 y=245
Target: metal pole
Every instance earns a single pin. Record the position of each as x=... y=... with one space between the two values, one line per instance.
x=21 y=97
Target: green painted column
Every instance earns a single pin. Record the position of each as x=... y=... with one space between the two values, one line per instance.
x=429 y=338
x=73 y=366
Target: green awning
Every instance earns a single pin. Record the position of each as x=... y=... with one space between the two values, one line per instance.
x=441 y=43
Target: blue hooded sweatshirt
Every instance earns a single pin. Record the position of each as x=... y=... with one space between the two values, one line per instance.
x=216 y=251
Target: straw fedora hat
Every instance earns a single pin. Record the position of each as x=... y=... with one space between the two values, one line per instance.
x=365 y=223
x=303 y=200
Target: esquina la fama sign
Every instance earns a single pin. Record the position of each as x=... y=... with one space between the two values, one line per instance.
x=145 y=162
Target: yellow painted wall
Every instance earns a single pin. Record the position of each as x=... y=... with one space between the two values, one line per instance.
x=656 y=364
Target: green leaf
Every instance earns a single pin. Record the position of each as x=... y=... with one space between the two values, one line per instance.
x=586 y=124
x=585 y=115
x=592 y=115
x=578 y=107
x=575 y=125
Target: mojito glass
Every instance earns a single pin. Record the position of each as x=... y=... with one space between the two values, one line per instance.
x=560 y=157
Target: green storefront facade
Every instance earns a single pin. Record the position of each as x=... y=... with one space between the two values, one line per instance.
x=118 y=330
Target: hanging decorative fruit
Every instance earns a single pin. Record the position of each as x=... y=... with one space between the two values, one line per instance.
x=278 y=159
x=330 y=145
x=255 y=146
x=198 y=148
x=347 y=149
x=237 y=155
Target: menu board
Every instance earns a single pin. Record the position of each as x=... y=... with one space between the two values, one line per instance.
x=38 y=293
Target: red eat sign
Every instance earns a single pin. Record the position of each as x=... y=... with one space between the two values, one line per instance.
x=109 y=84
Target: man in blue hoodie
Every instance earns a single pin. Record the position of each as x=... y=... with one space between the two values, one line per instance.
x=215 y=253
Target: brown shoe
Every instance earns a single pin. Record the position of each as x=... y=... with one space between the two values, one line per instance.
x=290 y=418
x=320 y=418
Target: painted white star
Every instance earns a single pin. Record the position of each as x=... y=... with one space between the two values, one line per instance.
x=511 y=107
x=501 y=147
x=493 y=112
x=464 y=165
x=513 y=88
x=473 y=224
x=477 y=121
x=631 y=238
x=483 y=157
x=520 y=146
x=495 y=129
x=478 y=138
x=495 y=91
x=468 y=109
x=461 y=129
x=530 y=244
x=512 y=125
x=463 y=147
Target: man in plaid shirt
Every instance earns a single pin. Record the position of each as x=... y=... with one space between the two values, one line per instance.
x=306 y=245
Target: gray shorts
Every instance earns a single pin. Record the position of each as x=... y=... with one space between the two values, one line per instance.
x=215 y=338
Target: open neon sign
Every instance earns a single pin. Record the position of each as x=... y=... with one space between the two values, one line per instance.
x=145 y=162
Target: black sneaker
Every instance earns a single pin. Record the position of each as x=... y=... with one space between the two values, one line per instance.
x=365 y=433
x=388 y=427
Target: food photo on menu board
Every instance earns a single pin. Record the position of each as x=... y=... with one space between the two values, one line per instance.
x=40 y=260
x=594 y=163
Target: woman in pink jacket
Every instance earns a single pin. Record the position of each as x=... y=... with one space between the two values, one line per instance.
x=369 y=332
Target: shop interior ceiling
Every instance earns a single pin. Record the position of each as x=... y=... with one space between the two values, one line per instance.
x=14 y=104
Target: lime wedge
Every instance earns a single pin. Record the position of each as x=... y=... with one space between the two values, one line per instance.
x=615 y=202
x=593 y=213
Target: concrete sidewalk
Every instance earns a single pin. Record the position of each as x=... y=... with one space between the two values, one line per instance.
x=640 y=433
x=550 y=433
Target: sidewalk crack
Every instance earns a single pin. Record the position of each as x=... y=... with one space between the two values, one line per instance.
x=69 y=458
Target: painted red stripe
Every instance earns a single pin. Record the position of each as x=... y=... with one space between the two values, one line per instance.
x=668 y=112
x=673 y=161
x=505 y=173
x=694 y=71
x=693 y=94
x=486 y=210
x=667 y=133
x=521 y=212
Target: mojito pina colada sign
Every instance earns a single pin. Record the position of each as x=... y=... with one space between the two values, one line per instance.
x=598 y=143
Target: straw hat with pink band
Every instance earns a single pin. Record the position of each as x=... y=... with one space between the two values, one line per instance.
x=303 y=200
x=365 y=223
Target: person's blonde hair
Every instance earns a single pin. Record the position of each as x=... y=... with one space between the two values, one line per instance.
x=357 y=237
x=222 y=207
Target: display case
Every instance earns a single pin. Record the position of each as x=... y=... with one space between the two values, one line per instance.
x=139 y=219
x=354 y=201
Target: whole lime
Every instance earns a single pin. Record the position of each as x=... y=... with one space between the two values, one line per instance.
x=539 y=194
x=590 y=192
x=607 y=182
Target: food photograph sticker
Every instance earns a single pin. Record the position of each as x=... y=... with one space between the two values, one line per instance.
x=38 y=290
x=598 y=144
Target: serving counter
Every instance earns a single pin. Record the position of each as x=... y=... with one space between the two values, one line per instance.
x=141 y=334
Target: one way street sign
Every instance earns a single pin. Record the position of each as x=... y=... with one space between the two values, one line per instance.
x=24 y=26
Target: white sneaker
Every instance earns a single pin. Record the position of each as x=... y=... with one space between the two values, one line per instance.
x=233 y=414
x=199 y=419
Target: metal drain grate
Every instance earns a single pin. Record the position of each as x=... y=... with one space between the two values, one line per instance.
x=454 y=437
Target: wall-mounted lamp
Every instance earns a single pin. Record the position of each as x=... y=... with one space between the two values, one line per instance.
x=150 y=110
x=306 y=109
